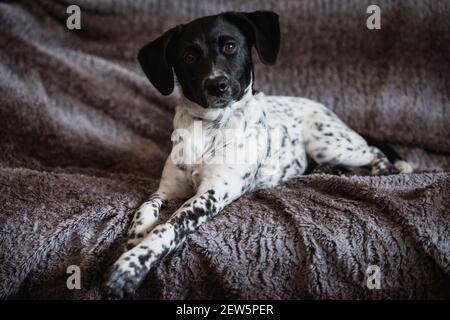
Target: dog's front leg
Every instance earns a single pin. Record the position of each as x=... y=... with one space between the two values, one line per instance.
x=173 y=185
x=212 y=195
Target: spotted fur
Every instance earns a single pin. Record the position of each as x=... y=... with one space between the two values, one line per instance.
x=308 y=129
x=286 y=131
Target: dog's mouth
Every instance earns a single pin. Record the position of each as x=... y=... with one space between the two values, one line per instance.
x=218 y=102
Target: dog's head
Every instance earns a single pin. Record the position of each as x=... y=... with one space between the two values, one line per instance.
x=211 y=56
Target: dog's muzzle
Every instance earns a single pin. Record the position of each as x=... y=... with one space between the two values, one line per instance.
x=220 y=91
x=218 y=86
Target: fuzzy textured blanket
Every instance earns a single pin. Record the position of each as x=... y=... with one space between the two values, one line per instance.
x=83 y=138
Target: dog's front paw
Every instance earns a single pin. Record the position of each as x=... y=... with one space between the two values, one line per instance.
x=126 y=276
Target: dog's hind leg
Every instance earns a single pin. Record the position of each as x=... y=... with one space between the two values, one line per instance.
x=329 y=141
x=384 y=151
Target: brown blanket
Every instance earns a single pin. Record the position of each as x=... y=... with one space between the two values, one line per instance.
x=83 y=137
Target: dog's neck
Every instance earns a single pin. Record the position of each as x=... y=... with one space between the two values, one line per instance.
x=240 y=116
x=217 y=116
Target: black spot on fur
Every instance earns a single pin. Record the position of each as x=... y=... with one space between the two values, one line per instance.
x=246 y=175
x=319 y=126
x=144 y=257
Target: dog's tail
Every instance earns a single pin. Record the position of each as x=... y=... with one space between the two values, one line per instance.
x=400 y=164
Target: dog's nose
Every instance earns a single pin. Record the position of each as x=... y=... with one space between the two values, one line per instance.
x=217 y=86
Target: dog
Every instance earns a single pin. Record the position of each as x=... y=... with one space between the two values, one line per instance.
x=212 y=60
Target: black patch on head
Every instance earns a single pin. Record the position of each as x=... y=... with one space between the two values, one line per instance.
x=193 y=49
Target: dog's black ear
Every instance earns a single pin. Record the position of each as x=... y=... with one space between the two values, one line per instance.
x=263 y=28
x=155 y=62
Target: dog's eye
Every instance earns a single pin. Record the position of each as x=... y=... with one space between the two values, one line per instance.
x=229 y=47
x=189 y=57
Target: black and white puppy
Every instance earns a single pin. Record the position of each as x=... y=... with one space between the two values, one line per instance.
x=211 y=58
